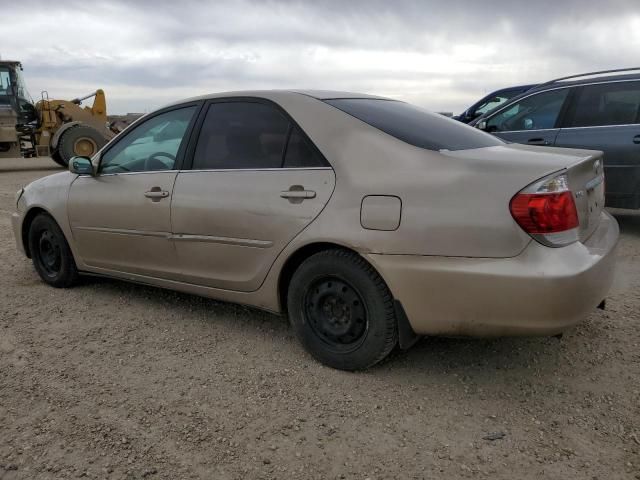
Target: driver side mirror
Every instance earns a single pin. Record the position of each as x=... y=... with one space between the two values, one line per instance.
x=81 y=166
x=482 y=125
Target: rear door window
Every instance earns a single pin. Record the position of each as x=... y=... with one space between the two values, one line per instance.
x=241 y=135
x=250 y=136
x=414 y=125
x=616 y=103
x=301 y=153
x=536 y=112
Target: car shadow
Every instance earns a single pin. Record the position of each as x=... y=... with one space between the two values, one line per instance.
x=629 y=221
x=476 y=356
x=186 y=305
x=430 y=356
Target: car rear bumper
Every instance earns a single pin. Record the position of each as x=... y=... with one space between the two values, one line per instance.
x=542 y=291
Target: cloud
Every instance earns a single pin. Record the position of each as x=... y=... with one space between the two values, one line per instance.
x=443 y=57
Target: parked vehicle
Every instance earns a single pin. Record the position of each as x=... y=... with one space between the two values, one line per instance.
x=367 y=220
x=599 y=110
x=490 y=102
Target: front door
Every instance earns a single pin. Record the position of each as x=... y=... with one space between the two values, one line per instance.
x=257 y=181
x=121 y=218
x=532 y=120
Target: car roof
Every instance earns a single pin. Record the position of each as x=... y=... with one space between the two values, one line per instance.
x=280 y=93
x=587 y=79
x=334 y=94
x=517 y=87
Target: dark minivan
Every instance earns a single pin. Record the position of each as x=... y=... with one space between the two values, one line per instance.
x=598 y=111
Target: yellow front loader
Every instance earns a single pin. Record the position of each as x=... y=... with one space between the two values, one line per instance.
x=59 y=128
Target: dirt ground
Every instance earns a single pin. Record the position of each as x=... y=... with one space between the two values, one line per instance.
x=113 y=380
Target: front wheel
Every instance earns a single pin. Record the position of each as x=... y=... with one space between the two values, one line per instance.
x=342 y=310
x=50 y=253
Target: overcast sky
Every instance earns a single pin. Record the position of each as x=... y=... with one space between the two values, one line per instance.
x=442 y=55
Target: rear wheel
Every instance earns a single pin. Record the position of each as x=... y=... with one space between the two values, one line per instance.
x=342 y=311
x=80 y=140
x=50 y=253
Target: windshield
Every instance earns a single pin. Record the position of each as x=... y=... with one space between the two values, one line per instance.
x=493 y=101
x=23 y=93
x=5 y=86
x=414 y=125
x=492 y=104
x=12 y=85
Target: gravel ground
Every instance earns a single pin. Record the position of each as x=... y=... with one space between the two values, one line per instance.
x=112 y=380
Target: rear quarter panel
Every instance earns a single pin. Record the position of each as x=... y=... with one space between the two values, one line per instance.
x=453 y=203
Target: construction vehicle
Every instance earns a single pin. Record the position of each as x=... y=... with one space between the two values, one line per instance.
x=61 y=129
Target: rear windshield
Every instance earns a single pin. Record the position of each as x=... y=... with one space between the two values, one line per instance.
x=415 y=126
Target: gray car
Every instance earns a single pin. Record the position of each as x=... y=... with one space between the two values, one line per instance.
x=599 y=111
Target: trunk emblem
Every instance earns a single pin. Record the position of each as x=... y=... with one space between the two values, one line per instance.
x=596 y=166
x=580 y=193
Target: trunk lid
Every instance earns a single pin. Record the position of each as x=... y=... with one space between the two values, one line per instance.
x=584 y=169
x=586 y=180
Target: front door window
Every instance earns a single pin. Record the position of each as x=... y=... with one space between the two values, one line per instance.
x=536 y=112
x=151 y=146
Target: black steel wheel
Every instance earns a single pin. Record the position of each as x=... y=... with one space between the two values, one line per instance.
x=336 y=313
x=50 y=252
x=341 y=310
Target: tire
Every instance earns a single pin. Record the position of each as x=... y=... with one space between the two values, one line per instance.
x=50 y=253
x=342 y=311
x=55 y=156
x=79 y=141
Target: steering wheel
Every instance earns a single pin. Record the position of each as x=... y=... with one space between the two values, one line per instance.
x=154 y=163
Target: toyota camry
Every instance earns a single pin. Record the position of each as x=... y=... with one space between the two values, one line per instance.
x=366 y=220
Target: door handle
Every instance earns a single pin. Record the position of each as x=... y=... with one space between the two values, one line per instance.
x=537 y=141
x=156 y=194
x=298 y=194
x=636 y=139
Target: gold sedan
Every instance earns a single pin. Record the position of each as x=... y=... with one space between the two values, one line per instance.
x=367 y=220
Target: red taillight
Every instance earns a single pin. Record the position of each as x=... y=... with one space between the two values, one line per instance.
x=543 y=213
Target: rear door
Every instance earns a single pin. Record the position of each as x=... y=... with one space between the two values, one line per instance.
x=605 y=117
x=255 y=183
x=533 y=120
